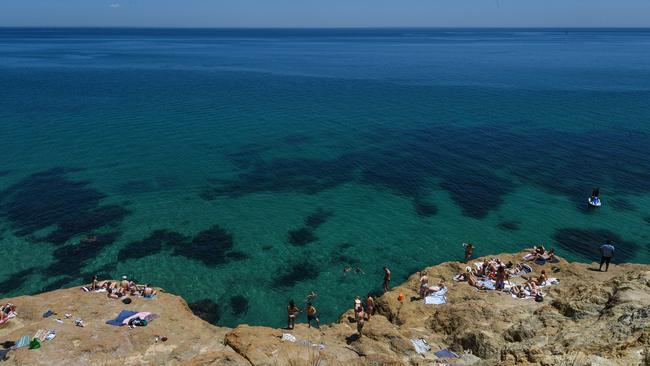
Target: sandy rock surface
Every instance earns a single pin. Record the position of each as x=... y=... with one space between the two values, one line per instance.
x=590 y=318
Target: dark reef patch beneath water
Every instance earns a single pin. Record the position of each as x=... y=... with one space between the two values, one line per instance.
x=318 y=218
x=510 y=225
x=207 y=310
x=16 y=280
x=50 y=199
x=239 y=304
x=586 y=242
x=292 y=273
x=477 y=166
x=302 y=236
x=212 y=246
x=424 y=208
x=71 y=258
x=306 y=234
x=154 y=243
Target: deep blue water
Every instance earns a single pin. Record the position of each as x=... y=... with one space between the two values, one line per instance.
x=248 y=167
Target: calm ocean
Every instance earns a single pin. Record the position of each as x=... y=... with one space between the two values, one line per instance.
x=244 y=168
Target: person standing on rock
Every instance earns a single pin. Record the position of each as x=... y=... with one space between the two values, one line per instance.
x=370 y=305
x=292 y=312
x=424 y=284
x=360 y=322
x=311 y=315
x=469 y=248
x=606 y=254
x=386 y=279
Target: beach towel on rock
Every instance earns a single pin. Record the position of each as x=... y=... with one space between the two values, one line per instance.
x=145 y=315
x=487 y=284
x=22 y=342
x=119 y=321
x=421 y=346
x=551 y=281
x=288 y=337
x=437 y=298
x=445 y=353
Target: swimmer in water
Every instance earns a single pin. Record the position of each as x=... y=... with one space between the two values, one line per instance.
x=311 y=296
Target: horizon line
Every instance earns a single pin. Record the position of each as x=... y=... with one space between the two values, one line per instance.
x=322 y=28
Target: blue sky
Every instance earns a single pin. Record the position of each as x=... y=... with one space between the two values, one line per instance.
x=326 y=13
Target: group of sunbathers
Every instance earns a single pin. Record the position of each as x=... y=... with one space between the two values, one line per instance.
x=493 y=274
x=119 y=289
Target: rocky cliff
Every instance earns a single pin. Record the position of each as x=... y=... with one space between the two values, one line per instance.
x=590 y=318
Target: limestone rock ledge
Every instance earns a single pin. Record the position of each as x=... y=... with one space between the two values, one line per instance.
x=590 y=318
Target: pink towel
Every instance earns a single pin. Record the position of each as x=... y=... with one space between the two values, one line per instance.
x=141 y=315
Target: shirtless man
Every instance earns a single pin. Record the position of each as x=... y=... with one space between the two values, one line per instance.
x=311 y=315
x=148 y=291
x=386 y=284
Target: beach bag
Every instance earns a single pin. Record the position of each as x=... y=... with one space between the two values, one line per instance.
x=34 y=344
x=539 y=298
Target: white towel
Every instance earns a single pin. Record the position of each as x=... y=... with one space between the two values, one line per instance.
x=421 y=346
x=288 y=337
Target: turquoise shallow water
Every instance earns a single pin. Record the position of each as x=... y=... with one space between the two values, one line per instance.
x=248 y=167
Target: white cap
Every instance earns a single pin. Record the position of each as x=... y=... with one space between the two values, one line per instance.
x=124 y=277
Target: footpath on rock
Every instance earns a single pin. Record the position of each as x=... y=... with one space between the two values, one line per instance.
x=588 y=318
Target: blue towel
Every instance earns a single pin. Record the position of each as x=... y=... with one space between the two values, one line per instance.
x=120 y=318
x=445 y=353
x=48 y=313
x=22 y=342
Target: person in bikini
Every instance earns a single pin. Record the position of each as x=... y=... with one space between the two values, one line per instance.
x=502 y=276
x=357 y=307
x=292 y=312
x=312 y=315
x=360 y=322
x=469 y=248
x=370 y=306
x=386 y=284
x=424 y=284
x=95 y=284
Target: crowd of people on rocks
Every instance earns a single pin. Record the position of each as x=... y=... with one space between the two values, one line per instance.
x=120 y=289
x=490 y=274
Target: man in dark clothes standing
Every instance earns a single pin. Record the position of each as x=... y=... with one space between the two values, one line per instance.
x=606 y=254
